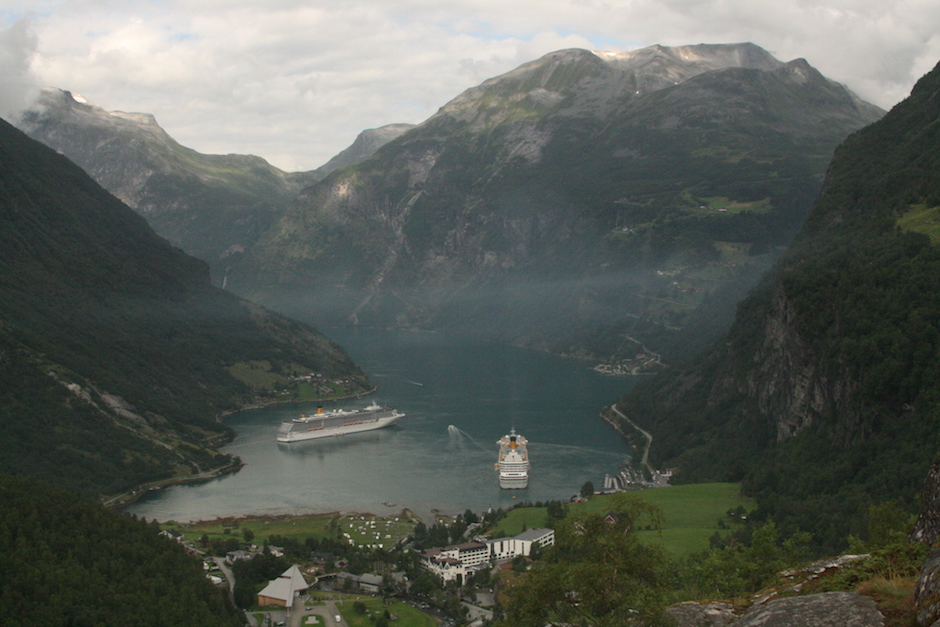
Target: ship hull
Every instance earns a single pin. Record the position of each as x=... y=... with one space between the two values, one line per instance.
x=513 y=482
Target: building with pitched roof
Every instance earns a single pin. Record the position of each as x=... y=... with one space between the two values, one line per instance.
x=281 y=591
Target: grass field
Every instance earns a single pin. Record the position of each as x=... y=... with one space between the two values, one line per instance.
x=408 y=616
x=360 y=529
x=922 y=219
x=297 y=527
x=690 y=514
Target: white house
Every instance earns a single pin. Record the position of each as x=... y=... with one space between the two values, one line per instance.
x=508 y=548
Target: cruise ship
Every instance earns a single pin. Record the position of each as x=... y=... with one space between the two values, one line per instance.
x=337 y=422
x=513 y=464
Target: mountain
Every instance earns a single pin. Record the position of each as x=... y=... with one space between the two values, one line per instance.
x=366 y=144
x=117 y=355
x=823 y=398
x=212 y=206
x=602 y=205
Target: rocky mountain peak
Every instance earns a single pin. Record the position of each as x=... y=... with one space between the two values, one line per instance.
x=63 y=104
x=367 y=142
x=695 y=59
x=578 y=82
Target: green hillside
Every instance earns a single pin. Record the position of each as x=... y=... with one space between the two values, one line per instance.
x=823 y=398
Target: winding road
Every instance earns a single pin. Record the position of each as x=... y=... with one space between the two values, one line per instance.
x=646 y=434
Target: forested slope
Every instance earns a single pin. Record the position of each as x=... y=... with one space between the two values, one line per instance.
x=116 y=352
x=823 y=397
x=66 y=561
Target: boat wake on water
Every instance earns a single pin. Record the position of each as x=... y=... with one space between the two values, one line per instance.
x=458 y=437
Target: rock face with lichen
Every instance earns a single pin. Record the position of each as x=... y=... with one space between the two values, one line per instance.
x=927 y=530
x=927 y=591
x=828 y=609
x=927 y=527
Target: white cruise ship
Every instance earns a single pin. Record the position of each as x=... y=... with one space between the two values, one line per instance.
x=337 y=422
x=513 y=464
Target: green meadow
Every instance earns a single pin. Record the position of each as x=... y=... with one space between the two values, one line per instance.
x=406 y=615
x=691 y=514
x=361 y=529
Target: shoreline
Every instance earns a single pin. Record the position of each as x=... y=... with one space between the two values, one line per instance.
x=261 y=405
x=119 y=501
x=223 y=521
x=124 y=499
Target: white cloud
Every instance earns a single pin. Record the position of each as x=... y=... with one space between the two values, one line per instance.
x=295 y=81
x=17 y=85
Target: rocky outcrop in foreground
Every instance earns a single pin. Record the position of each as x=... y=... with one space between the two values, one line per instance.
x=927 y=530
x=829 y=609
x=927 y=591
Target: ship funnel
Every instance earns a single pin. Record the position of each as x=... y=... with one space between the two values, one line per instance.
x=320 y=409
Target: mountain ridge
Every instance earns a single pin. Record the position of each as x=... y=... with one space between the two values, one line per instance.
x=560 y=171
x=535 y=207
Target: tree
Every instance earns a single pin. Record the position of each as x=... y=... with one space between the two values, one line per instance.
x=587 y=489
x=597 y=574
x=733 y=568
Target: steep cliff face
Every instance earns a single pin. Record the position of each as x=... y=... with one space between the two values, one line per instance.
x=825 y=390
x=584 y=203
x=789 y=378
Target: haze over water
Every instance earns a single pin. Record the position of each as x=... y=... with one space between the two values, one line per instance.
x=459 y=396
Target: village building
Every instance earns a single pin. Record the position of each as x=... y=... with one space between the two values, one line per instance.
x=172 y=534
x=510 y=548
x=281 y=591
x=456 y=562
x=367 y=583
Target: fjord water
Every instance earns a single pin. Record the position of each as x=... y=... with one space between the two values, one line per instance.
x=459 y=396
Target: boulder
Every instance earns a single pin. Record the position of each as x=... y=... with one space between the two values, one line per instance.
x=927 y=591
x=693 y=614
x=829 y=609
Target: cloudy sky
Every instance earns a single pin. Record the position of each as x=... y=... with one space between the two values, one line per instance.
x=295 y=81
